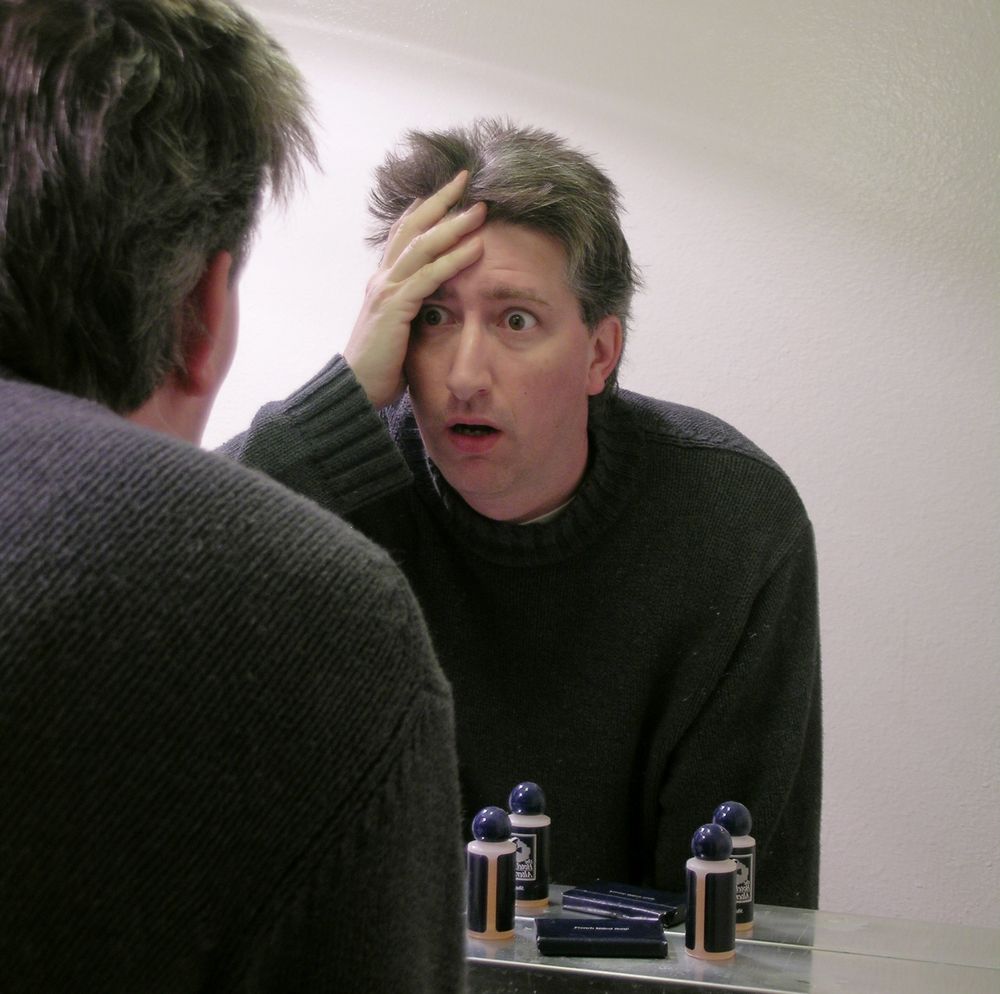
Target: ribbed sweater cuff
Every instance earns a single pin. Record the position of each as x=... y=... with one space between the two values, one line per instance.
x=346 y=439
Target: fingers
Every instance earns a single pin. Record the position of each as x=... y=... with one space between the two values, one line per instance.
x=424 y=249
x=376 y=350
x=392 y=240
x=427 y=246
x=439 y=269
x=421 y=216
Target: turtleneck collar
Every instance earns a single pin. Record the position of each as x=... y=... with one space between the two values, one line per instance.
x=613 y=472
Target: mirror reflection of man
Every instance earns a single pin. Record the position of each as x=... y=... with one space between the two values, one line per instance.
x=224 y=737
x=622 y=591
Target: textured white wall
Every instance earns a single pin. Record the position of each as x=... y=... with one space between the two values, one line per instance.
x=812 y=191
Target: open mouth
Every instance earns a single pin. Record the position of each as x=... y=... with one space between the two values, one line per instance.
x=473 y=430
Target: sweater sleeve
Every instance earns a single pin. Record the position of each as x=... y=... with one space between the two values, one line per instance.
x=326 y=442
x=758 y=740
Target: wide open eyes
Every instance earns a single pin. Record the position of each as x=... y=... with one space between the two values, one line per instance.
x=517 y=320
x=433 y=316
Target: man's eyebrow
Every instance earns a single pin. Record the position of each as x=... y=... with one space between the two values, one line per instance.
x=504 y=291
x=500 y=292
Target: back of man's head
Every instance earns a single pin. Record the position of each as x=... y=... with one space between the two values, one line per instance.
x=138 y=138
x=525 y=176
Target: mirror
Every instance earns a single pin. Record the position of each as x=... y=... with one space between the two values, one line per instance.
x=811 y=195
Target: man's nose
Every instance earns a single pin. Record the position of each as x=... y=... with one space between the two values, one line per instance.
x=469 y=372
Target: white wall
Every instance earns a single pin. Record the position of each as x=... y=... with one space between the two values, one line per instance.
x=812 y=190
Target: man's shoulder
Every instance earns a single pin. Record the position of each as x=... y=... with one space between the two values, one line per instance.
x=197 y=561
x=62 y=444
x=697 y=457
x=679 y=424
x=81 y=482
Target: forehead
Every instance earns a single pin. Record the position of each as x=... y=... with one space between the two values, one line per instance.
x=517 y=258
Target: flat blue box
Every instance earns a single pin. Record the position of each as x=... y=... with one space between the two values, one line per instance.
x=619 y=937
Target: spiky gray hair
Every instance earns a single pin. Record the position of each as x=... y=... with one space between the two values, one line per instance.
x=529 y=177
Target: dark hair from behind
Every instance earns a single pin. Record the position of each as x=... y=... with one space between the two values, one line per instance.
x=529 y=177
x=139 y=138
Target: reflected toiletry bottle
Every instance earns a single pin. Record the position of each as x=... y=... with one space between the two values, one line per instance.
x=735 y=819
x=530 y=827
x=710 y=927
x=490 y=862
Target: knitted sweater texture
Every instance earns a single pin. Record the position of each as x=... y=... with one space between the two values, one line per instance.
x=647 y=654
x=224 y=739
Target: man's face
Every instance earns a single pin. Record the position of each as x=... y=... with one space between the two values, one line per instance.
x=500 y=366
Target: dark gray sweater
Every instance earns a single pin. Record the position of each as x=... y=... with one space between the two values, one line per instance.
x=226 y=749
x=649 y=653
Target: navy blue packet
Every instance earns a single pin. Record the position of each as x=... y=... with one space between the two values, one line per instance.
x=612 y=900
x=620 y=937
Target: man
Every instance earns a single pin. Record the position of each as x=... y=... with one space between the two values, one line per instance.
x=622 y=591
x=226 y=747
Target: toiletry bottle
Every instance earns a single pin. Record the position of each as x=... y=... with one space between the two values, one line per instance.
x=490 y=865
x=735 y=819
x=710 y=926
x=530 y=827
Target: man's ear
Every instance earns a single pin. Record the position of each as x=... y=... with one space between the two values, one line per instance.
x=209 y=330
x=180 y=405
x=605 y=351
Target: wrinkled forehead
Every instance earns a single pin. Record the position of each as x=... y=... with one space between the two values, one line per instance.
x=519 y=262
